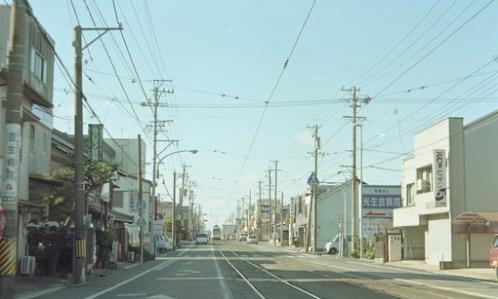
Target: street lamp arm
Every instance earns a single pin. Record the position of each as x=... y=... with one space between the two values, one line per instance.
x=177 y=152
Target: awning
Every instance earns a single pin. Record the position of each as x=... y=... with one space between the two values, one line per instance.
x=112 y=213
x=476 y=222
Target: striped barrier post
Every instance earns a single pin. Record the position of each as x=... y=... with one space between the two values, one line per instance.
x=8 y=264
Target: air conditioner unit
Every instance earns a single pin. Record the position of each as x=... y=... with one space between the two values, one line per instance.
x=28 y=264
x=423 y=185
x=131 y=256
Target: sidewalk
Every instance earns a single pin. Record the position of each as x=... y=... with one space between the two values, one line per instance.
x=25 y=287
x=475 y=273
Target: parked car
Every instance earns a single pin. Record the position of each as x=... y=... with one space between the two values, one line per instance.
x=163 y=244
x=332 y=246
x=493 y=255
x=252 y=240
x=201 y=238
x=243 y=238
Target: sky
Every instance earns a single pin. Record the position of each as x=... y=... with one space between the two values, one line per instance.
x=418 y=61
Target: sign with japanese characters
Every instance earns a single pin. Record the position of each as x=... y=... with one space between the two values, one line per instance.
x=439 y=175
x=96 y=139
x=379 y=201
x=11 y=167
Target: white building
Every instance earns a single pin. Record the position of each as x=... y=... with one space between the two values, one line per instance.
x=454 y=169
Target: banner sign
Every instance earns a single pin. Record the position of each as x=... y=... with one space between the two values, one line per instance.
x=439 y=174
x=265 y=208
x=96 y=139
x=379 y=201
x=11 y=167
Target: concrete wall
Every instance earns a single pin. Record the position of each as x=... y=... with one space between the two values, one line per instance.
x=330 y=209
x=481 y=164
x=126 y=154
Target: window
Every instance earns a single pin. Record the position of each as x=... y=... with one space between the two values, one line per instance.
x=38 y=65
x=117 y=199
x=424 y=179
x=410 y=194
x=32 y=138
x=133 y=198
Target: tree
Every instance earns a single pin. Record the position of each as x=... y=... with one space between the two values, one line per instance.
x=61 y=203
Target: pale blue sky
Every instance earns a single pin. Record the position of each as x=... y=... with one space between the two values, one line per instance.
x=238 y=48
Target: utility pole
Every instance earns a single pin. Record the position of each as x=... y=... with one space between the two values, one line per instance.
x=275 y=204
x=259 y=213
x=249 y=212
x=182 y=191
x=281 y=218
x=312 y=215
x=140 y=197
x=355 y=103
x=79 y=246
x=173 y=225
x=243 y=212
x=269 y=200
x=12 y=138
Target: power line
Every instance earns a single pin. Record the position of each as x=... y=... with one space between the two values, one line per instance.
x=435 y=48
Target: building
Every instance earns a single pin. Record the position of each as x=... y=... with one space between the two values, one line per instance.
x=228 y=231
x=38 y=73
x=453 y=170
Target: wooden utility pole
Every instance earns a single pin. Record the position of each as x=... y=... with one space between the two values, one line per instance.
x=275 y=204
x=173 y=225
x=140 y=198
x=12 y=138
x=281 y=218
x=79 y=246
x=259 y=213
x=249 y=212
x=269 y=200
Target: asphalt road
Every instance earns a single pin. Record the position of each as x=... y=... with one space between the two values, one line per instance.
x=236 y=270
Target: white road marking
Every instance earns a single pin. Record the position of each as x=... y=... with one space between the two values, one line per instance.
x=40 y=293
x=160 y=266
x=412 y=282
x=243 y=277
x=278 y=278
x=224 y=288
x=131 y=295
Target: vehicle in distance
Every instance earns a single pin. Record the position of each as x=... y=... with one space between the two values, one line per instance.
x=332 y=246
x=252 y=240
x=201 y=238
x=216 y=232
x=493 y=255
x=163 y=244
x=243 y=237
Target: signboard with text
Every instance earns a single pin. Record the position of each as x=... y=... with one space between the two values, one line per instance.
x=379 y=201
x=95 y=142
x=439 y=175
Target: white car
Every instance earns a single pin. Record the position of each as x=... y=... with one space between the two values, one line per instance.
x=201 y=238
x=163 y=244
x=332 y=246
x=252 y=240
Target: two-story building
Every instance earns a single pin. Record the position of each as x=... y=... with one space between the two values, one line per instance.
x=453 y=170
x=37 y=88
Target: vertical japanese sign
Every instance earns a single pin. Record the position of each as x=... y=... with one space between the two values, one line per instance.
x=439 y=174
x=95 y=142
x=11 y=167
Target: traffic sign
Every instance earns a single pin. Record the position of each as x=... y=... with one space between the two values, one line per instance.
x=141 y=205
x=141 y=222
x=313 y=179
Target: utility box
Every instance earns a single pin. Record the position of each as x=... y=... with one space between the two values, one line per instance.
x=394 y=248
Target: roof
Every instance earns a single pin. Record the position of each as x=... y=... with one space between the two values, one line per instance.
x=476 y=222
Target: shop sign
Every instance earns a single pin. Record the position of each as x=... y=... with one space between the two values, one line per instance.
x=439 y=174
x=96 y=139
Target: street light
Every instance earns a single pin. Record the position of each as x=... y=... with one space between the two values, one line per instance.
x=174 y=204
x=173 y=153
